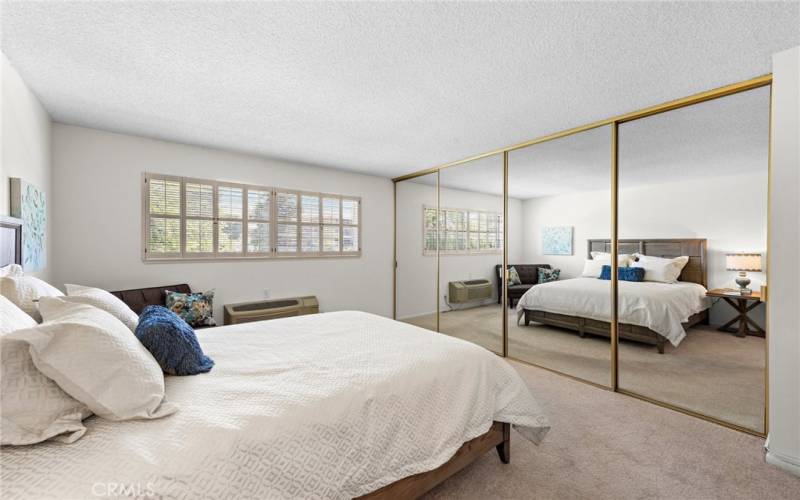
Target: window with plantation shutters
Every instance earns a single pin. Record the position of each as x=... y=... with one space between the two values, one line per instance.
x=202 y=219
x=461 y=231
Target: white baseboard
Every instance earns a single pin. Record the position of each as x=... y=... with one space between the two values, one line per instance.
x=785 y=462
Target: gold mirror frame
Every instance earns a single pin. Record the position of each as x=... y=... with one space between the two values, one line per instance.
x=735 y=88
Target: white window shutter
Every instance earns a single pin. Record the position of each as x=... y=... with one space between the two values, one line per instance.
x=259 y=233
x=199 y=218
x=287 y=210
x=230 y=219
x=163 y=222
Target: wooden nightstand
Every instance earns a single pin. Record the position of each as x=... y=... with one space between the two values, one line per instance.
x=743 y=304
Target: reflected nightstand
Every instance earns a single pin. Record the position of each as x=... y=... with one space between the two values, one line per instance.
x=743 y=305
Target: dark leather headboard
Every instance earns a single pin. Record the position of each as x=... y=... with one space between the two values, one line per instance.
x=695 y=248
x=138 y=298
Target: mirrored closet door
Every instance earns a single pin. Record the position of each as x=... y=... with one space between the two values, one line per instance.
x=471 y=252
x=559 y=224
x=416 y=209
x=692 y=223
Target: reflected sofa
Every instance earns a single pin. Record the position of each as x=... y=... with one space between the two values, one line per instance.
x=528 y=275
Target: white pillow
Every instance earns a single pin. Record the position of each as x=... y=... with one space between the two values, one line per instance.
x=11 y=270
x=24 y=290
x=102 y=299
x=12 y=317
x=593 y=267
x=660 y=269
x=623 y=259
x=96 y=360
x=33 y=408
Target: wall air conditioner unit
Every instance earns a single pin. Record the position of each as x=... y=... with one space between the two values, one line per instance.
x=467 y=291
x=260 y=310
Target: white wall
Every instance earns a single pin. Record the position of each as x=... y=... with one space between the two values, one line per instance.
x=97 y=223
x=416 y=273
x=25 y=130
x=688 y=209
x=784 y=294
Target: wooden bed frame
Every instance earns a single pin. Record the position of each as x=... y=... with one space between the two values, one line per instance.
x=695 y=272
x=499 y=437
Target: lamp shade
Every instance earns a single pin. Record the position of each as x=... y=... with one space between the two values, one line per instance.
x=743 y=261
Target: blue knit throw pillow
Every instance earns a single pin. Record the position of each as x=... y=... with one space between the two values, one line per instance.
x=172 y=342
x=623 y=273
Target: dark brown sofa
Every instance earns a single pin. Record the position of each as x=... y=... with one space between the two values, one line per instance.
x=528 y=275
x=139 y=298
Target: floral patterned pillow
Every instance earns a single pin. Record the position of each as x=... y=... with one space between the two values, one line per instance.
x=197 y=309
x=546 y=275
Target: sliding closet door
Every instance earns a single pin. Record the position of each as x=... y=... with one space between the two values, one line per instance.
x=416 y=239
x=471 y=252
x=560 y=218
x=692 y=218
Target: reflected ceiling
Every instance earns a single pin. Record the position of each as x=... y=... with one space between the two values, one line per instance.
x=726 y=136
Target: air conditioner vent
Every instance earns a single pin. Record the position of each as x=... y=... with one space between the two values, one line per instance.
x=468 y=291
x=255 y=306
x=269 y=309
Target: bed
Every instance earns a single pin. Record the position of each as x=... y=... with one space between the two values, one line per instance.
x=336 y=405
x=650 y=313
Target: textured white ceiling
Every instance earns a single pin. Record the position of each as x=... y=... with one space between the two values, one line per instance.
x=382 y=88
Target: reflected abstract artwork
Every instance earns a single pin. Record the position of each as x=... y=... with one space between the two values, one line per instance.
x=557 y=240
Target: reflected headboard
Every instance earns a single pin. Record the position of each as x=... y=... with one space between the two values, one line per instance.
x=10 y=240
x=695 y=270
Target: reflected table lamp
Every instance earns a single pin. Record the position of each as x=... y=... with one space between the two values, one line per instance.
x=743 y=262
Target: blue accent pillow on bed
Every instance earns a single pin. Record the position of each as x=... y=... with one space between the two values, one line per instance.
x=623 y=273
x=172 y=342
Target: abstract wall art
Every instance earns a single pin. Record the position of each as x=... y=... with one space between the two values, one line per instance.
x=28 y=203
x=557 y=240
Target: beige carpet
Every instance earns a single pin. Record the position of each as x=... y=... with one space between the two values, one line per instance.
x=604 y=445
x=711 y=372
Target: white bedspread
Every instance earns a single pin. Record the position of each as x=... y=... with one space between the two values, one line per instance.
x=326 y=406
x=661 y=307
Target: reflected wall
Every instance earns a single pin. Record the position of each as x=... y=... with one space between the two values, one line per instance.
x=471 y=251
